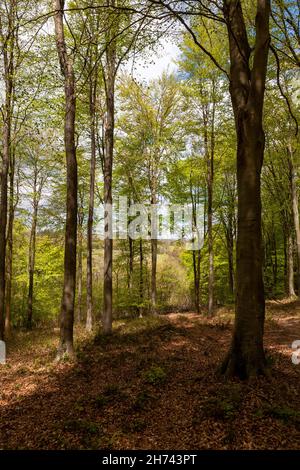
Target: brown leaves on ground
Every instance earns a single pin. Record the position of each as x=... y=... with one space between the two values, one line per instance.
x=151 y=385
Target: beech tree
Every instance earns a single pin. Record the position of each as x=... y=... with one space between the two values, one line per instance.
x=247 y=89
x=247 y=78
x=68 y=297
x=8 y=40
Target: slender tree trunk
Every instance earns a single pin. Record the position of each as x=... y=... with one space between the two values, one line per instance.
x=108 y=164
x=285 y=268
x=290 y=264
x=89 y=285
x=247 y=86
x=31 y=264
x=141 y=283
x=9 y=258
x=68 y=297
x=153 y=275
x=210 y=236
x=230 y=249
x=130 y=267
x=195 y=253
x=79 y=270
x=274 y=258
x=295 y=207
x=153 y=247
x=196 y=271
x=37 y=191
x=210 y=180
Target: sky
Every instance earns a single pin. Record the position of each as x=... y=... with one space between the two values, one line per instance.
x=161 y=60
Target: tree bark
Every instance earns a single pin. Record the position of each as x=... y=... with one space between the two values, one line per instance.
x=32 y=247
x=79 y=267
x=210 y=178
x=31 y=265
x=290 y=266
x=153 y=246
x=108 y=165
x=230 y=249
x=8 y=68
x=89 y=283
x=9 y=256
x=295 y=208
x=141 y=282
x=196 y=254
x=131 y=258
x=247 y=87
x=68 y=298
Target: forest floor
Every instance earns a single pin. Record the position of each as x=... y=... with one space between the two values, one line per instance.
x=151 y=385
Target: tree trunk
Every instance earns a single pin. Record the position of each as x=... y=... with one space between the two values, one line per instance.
x=31 y=264
x=230 y=249
x=196 y=271
x=68 y=297
x=210 y=236
x=6 y=129
x=196 y=253
x=141 y=283
x=130 y=267
x=246 y=356
x=108 y=164
x=295 y=207
x=286 y=267
x=153 y=275
x=154 y=234
x=9 y=256
x=209 y=152
x=89 y=282
x=37 y=190
x=79 y=270
x=290 y=266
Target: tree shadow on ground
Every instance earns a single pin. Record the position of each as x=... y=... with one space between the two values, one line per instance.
x=156 y=387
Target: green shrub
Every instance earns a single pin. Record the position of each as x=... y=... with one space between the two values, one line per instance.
x=155 y=375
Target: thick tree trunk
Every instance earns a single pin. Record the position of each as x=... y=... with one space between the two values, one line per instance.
x=3 y=219
x=108 y=165
x=68 y=297
x=8 y=43
x=89 y=283
x=247 y=86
